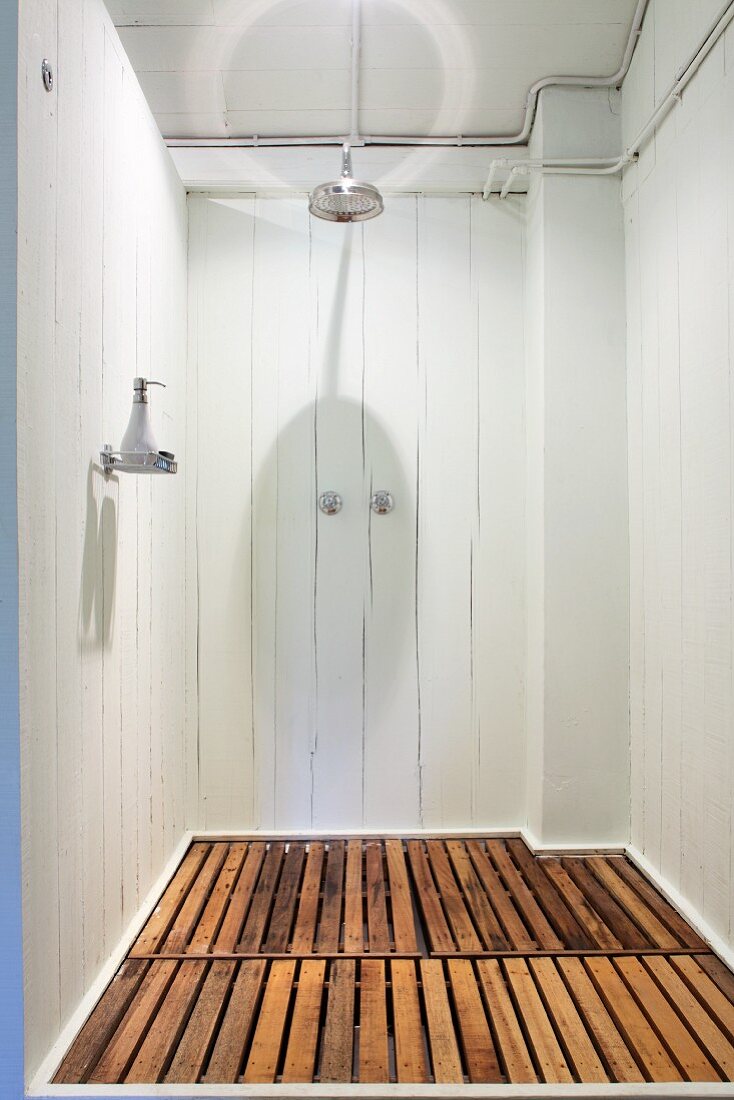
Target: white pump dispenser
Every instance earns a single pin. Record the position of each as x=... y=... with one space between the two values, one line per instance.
x=138 y=437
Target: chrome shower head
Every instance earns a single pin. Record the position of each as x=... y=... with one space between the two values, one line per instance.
x=346 y=200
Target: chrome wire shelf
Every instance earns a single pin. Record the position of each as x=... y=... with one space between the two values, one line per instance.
x=134 y=462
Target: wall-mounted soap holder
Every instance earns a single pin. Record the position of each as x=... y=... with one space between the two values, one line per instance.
x=136 y=462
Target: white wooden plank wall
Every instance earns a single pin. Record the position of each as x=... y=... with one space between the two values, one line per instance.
x=102 y=262
x=357 y=670
x=679 y=214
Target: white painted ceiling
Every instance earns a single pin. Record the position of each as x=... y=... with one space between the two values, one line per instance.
x=234 y=68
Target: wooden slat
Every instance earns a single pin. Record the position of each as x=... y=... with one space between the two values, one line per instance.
x=485 y=920
x=633 y=905
x=538 y=1028
x=201 y=1030
x=303 y=1036
x=476 y=1039
x=237 y=1025
x=453 y=903
x=377 y=926
x=578 y=1047
x=615 y=918
x=638 y=1035
x=96 y=1033
x=685 y=1051
x=590 y=921
x=338 y=1040
x=304 y=931
x=523 y=899
x=548 y=897
x=331 y=908
x=118 y=1055
x=167 y=1027
x=353 y=915
x=665 y=912
x=262 y=1063
x=712 y=1039
x=211 y=918
x=517 y=934
x=401 y=903
x=158 y=927
x=410 y=1056
x=437 y=930
x=281 y=919
x=445 y=1057
x=262 y=900
x=622 y=1065
x=239 y=902
x=188 y=915
x=374 y=1064
x=714 y=987
x=511 y=1045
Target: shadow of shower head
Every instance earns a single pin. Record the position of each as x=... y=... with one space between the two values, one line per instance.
x=346 y=200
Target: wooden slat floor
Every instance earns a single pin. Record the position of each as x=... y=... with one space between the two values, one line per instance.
x=417 y=961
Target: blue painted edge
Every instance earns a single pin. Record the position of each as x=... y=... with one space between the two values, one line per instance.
x=11 y=942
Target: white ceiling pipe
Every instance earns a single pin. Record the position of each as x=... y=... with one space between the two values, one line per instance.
x=581 y=166
x=356 y=50
x=519 y=138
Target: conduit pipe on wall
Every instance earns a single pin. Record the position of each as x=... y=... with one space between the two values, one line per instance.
x=520 y=138
x=610 y=166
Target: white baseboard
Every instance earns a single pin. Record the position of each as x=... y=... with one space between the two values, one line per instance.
x=684 y=907
x=346 y=834
x=537 y=848
x=39 y=1086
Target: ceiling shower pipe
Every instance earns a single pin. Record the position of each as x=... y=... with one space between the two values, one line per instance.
x=520 y=138
x=572 y=166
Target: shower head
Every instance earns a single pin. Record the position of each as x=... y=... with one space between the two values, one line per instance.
x=346 y=200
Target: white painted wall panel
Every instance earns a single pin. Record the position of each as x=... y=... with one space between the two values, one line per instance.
x=102 y=297
x=358 y=670
x=678 y=219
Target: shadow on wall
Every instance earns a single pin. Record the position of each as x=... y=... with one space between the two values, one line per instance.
x=333 y=597
x=99 y=563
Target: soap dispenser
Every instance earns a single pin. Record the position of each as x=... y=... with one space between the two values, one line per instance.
x=138 y=437
x=139 y=452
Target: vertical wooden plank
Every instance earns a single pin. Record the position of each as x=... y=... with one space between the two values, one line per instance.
x=223 y=274
x=341 y=555
x=453 y=903
x=639 y=1036
x=303 y=1034
x=558 y=914
x=447 y=486
x=238 y=1024
x=331 y=909
x=684 y=1050
x=203 y=1025
x=262 y=1063
x=354 y=936
x=379 y=933
x=174 y=896
x=511 y=1045
x=281 y=919
x=609 y=1041
x=665 y=912
x=167 y=1025
x=401 y=902
x=632 y=904
x=437 y=929
x=410 y=1055
x=208 y=926
x=445 y=1058
x=628 y=934
x=391 y=402
x=713 y=1041
x=119 y=1054
x=239 y=903
x=570 y=1026
x=589 y=920
x=476 y=1039
x=522 y=897
x=542 y=1039
x=374 y=1063
x=517 y=934
x=262 y=900
x=475 y=898
x=498 y=570
x=338 y=1037
x=308 y=906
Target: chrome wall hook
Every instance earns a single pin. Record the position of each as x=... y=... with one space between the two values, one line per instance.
x=330 y=503
x=382 y=502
